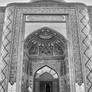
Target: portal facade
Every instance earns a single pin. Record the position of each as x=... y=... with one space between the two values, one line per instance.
x=45 y=57
x=46 y=47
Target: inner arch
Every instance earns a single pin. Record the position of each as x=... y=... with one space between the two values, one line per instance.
x=47 y=70
x=47 y=79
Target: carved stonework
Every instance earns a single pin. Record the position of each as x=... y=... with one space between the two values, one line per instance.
x=45 y=42
x=85 y=49
x=6 y=49
x=48 y=70
x=63 y=68
x=45 y=10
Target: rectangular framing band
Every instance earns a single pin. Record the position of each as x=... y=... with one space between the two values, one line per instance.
x=71 y=34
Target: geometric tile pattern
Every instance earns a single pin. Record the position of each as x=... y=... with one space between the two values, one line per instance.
x=6 y=49
x=86 y=47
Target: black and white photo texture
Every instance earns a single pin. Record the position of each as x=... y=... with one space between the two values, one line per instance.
x=45 y=45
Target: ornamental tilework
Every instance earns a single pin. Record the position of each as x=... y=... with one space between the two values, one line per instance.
x=85 y=46
x=6 y=49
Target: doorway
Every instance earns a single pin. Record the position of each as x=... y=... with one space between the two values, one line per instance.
x=45 y=44
x=46 y=80
x=46 y=86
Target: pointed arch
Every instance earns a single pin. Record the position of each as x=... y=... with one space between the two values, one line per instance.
x=45 y=41
x=46 y=76
x=46 y=70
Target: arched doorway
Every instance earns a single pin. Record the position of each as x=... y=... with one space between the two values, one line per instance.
x=45 y=47
x=46 y=80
